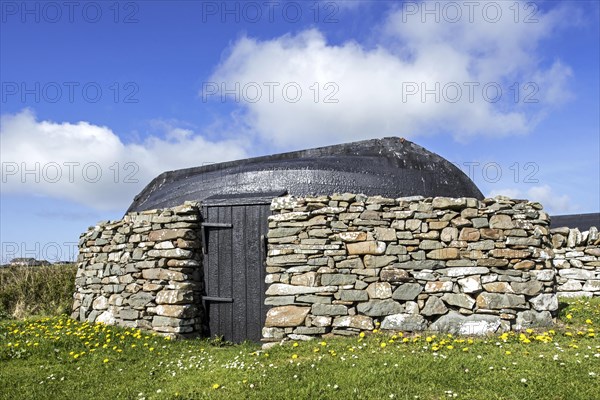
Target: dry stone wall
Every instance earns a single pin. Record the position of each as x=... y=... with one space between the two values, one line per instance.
x=143 y=271
x=344 y=263
x=577 y=260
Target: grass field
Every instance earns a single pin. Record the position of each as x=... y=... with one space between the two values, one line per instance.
x=58 y=358
x=36 y=290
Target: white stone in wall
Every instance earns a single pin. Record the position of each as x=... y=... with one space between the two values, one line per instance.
x=107 y=318
x=545 y=302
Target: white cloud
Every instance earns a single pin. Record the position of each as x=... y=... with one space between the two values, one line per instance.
x=553 y=203
x=62 y=160
x=375 y=84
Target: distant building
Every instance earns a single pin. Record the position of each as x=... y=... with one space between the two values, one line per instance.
x=27 y=262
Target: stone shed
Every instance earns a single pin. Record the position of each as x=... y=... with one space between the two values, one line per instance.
x=211 y=250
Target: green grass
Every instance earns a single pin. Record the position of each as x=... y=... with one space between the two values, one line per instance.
x=38 y=290
x=55 y=358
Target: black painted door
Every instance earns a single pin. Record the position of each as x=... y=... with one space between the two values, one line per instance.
x=234 y=270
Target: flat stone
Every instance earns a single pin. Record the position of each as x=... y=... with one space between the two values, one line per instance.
x=448 y=253
x=545 y=302
x=379 y=261
x=492 y=262
x=482 y=245
x=592 y=286
x=172 y=253
x=533 y=319
x=283 y=232
x=395 y=249
x=430 y=245
x=576 y=273
x=353 y=295
x=524 y=265
x=480 y=222
x=338 y=279
x=459 y=300
x=164 y=245
x=352 y=263
x=286 y=316
x=434 y=306
x=438 y=287
x=498 y=287
x=282 y=289
x=328 y=309
x=378 y=308
x=361 y=322
x=170 y=234
x=407 y=291
x=509 y=253
x=497 y=301
x=290 y=259
x=160 y=321
x=306 y=279
x=174 y=297
x=501 y=221
x=280 y=300
x=530 y=288
x=385 y=234
x=404 y=322
x=394 y=275
x=544 y=275
x=593 y=251
x=488 y=233
x=369 y=247
x=357 y=236
x=522 y=241
x=177 y=311
x=311 y=298
x=140 y=300
x=470 y=285
x=465 y=271
x=321 y=321
x=449 y=203
x=379 y=290
x=182 y=263
x=163 y=274
x=475 y=324
x=290 y=216
x=469 y=234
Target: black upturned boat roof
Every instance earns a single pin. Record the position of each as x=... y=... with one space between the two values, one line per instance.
x=581 y=221
x=390 y=167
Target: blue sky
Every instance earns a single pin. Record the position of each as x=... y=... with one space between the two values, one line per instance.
x=100 y=98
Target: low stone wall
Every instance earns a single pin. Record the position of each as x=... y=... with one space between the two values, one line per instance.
x=341 y=264
x=143 y=271
x=577 y=260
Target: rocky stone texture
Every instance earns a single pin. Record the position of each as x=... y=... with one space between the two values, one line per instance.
x=456 y=265
x=143 y=271
x=577 y=261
